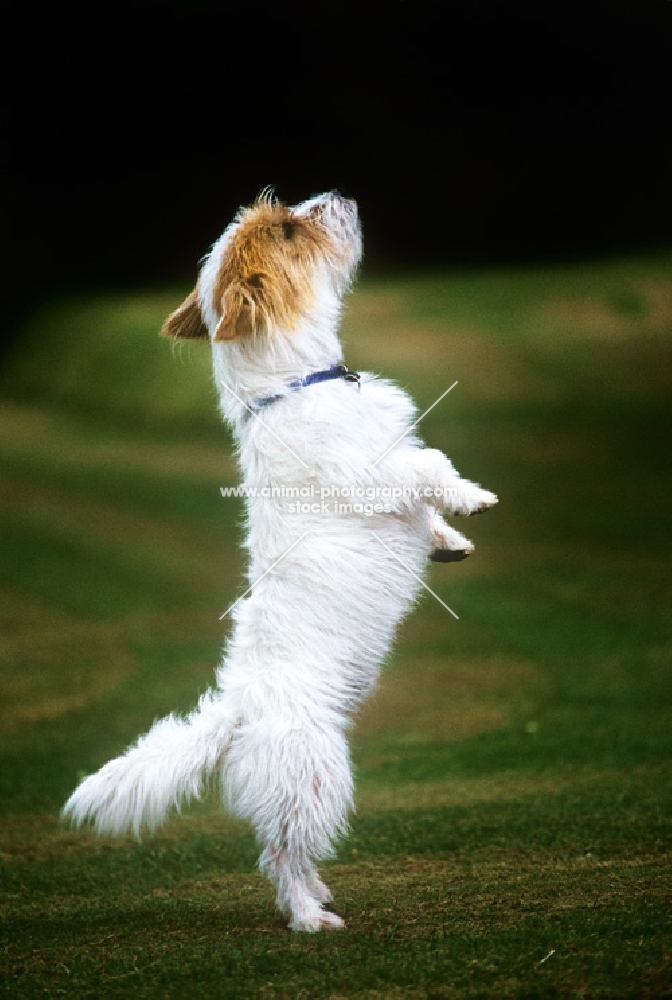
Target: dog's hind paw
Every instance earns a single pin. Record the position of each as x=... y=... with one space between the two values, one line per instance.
x=331 y=921
x=320 y=920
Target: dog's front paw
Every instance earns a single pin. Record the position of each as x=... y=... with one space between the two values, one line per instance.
x=468 y=499
x=450 y=545
x=450 y=555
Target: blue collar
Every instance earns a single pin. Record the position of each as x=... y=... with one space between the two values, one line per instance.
x=336 y=371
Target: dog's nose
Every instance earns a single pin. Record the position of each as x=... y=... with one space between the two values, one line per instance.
x=330 y=205
x=343 y=201
x=342 y=196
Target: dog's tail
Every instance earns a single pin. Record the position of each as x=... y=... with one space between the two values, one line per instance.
x=165 y=768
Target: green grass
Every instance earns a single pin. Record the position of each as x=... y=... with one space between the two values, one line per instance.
x=512 y=832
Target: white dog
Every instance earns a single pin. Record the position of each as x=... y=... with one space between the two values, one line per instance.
x=329 y=581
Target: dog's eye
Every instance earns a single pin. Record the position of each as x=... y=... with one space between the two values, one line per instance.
x=254 y=281
x=288 y=230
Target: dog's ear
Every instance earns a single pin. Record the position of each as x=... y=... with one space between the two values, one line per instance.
x=186 y=323
x=240 y=312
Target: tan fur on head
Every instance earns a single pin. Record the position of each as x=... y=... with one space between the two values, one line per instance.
x=265 y=279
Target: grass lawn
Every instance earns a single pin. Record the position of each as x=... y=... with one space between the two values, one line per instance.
x=512 y=833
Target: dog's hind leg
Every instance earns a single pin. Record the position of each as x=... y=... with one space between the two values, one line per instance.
x=296 y=788
x=318 y=889
x=297 y=892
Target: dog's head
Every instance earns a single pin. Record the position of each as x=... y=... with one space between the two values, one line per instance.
x=270 y=267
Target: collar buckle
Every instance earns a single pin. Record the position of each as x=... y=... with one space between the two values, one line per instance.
x=350 y=376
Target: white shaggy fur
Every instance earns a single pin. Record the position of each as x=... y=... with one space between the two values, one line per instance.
x=309 y=637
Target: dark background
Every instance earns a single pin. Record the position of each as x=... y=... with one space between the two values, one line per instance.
x=467 y=132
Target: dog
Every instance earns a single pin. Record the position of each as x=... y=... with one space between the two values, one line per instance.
x=329 y=581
